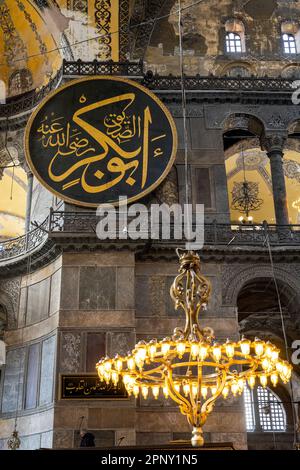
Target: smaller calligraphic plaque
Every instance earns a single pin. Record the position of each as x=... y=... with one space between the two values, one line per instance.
x=87 y=386
x=97 y=139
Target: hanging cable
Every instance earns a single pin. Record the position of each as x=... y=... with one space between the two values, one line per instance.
x=12 y=183
x=184 y=115
x=267 y=240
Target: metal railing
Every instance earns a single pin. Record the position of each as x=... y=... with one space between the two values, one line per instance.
x=199 y=83
x=26 y=244
x=28 y=101
x=79 y=68
x=85 y=223
x=170 y=82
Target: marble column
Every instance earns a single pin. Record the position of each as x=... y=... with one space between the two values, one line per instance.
x=274 y=145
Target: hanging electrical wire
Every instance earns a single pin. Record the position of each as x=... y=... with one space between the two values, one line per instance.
x=184 y=115
x=290 y=385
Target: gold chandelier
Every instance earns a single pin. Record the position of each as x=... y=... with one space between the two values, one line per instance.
x=189 y=367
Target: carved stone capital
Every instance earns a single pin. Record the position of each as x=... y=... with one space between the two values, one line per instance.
x=273 y=143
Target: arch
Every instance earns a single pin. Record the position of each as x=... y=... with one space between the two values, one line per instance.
x=235 y=279
x=291 y=71
x=249 y=122
x=230 y=69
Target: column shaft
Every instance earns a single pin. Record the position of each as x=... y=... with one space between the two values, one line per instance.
x=279 y=189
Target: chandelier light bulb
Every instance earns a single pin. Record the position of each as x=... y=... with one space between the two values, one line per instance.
x=180 y=347
x=152 y=350
x=194 y=350
x=119 y=365
x=263 y=380
x=203 y=351
x=251 y=381
x=274 y=379
x=258 y=347
x=165 y=347
x=245 y=346
x=145 y=392
x=229 y=348
x=217 y=352
x=155 y=391
x=186 y=389
x=131 y=363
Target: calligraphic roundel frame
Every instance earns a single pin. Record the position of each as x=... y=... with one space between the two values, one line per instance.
x=170 y=160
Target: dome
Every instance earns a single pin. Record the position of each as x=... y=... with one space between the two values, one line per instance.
x=28 y=55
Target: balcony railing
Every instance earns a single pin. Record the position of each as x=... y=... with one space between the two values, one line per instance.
x=85 y=223
x=81 y=68
x=26 y=244
x=28 y=101
x=170 y=82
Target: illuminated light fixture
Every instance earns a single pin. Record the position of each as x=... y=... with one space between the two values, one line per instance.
x=189 y=367
x=245 y=196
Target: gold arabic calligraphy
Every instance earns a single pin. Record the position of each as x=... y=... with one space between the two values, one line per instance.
x=66 y=141
x=88 y=389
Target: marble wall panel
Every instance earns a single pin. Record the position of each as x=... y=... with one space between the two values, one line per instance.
x=47 y=370
x=13 y=380
x=97 y=288
x=120 y=343
x=69 y=288
x=38 y=302
x=32 y=376
x=55 y=292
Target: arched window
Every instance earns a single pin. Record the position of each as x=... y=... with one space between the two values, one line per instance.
x=290 y=35
x=233 y=42
x=20 y=81
x=289 y=43
x=235 y=36
x=263 y=411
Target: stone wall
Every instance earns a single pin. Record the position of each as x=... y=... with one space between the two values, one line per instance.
x=204 y=38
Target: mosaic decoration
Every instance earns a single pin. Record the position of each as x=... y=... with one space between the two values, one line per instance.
x=42 y=45
x=14 y=46
x=107 y=26
x=78 y=5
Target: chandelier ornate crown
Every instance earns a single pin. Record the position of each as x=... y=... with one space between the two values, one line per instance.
x=190 y=367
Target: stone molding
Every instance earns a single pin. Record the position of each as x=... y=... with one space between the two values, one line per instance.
x=235 y=277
